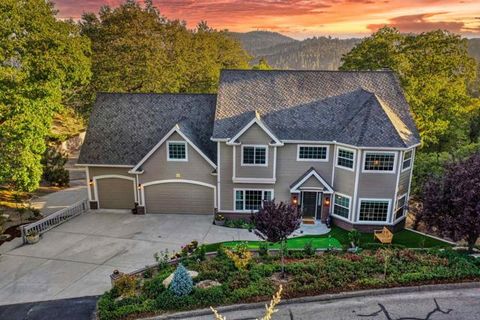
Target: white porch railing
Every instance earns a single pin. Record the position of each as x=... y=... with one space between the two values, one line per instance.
x=55 y=219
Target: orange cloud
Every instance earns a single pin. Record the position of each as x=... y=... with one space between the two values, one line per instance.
x=419 y=22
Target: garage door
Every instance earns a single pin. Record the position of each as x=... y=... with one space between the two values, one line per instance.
x=179 y=198
x=115 y=193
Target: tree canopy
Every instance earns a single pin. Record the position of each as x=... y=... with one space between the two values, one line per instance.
x=451 y=202
x=136 y=49
x=435 y=71
x=43 y=62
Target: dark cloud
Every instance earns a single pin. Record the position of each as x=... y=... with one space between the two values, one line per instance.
x=419 y=23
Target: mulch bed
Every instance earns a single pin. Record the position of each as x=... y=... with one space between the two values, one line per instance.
x=13 y=232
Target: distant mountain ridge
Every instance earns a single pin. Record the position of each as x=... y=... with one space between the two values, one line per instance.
x=317 y=53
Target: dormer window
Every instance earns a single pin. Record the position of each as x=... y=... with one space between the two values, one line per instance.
x=177 y=151
x=254 y=155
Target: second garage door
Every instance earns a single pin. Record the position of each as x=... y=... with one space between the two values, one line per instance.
x=179 y=198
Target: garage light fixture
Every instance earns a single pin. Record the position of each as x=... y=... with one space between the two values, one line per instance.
x=139 y=186
x=90 y=182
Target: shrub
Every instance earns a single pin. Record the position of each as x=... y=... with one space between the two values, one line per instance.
x=182 y=283
x=54 y=171
x=240 y=256
x=167 y=300
x=162 y=259
x=308 y=248
x=354 y=237
x=239 y=280
x=263 y=249
x=201 y=253
x=126 y=285
x=210 y=296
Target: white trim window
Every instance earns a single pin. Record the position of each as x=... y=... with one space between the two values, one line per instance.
x=341 y=205
x=379 y=162
x=345 y=158
x=255 y=155
x=251 y=199
x=177 y=151
x=312 y=153
x=407 y=160
x=401 y=207
x=373 y=210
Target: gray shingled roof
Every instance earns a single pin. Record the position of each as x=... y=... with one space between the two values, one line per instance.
x=365 y=108
x=124 y=127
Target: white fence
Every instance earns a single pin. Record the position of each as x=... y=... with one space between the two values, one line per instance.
x=55 y=219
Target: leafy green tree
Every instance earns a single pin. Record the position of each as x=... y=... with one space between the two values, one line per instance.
x=43 y=62
x=262 y=65
x=135 y=49
x=435 y=71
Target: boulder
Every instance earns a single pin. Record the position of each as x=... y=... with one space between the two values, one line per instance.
x=169 y=279
x=205 y=284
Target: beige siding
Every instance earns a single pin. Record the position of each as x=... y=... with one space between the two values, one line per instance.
x=158 y=168
x=312 y=182
x=254 y=135
x=115 y=193
x=376 y=184
x=180 y=198
x=101 y=171
x=289 y=169
x=344 y=181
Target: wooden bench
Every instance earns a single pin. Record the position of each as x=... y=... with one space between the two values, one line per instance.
x=384 y=235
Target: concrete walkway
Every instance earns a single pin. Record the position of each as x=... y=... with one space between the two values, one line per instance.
x=76 y=258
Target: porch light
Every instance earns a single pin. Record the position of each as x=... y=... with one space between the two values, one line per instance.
x=294 y=200
x=139 y=186
x=327 y=201
x=90 y=182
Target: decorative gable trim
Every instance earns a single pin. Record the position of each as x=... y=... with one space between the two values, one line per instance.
x=297 y=187
x=176 y=129
x=259 y=122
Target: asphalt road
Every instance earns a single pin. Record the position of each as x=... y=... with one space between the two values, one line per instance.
x=461 y=304
x=68 y=309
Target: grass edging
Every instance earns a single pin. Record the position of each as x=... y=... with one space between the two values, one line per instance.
x=319 y=298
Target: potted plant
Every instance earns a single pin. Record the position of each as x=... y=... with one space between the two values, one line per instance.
x=33 y=237
x=219 y=219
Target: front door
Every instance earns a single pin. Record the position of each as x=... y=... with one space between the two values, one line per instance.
x=309 y=205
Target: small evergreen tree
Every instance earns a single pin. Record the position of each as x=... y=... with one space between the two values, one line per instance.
x=182 y=283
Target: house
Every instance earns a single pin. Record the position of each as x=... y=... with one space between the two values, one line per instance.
x=332 y=142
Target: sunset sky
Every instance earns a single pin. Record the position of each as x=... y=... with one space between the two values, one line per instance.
x=305 y=18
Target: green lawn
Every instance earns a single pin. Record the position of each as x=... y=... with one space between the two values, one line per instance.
x=338 y=238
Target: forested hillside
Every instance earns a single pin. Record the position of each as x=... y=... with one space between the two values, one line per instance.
x=282 y=52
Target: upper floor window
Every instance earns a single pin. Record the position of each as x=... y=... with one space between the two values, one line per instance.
x=341 y=206
x=379 y=161
x=312 y=153
x=254 y=155
x=401 y=206
x=248 y=200
x=374 y=210
x=407 y=160
x=177 y=151
x=345 y=158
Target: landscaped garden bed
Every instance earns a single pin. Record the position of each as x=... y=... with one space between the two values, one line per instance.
x=252 y=279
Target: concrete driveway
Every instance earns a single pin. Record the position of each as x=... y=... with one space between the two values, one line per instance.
x=76 y=258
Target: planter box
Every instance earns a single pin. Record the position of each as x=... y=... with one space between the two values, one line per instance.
x=219 y=222
x=33 y=239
